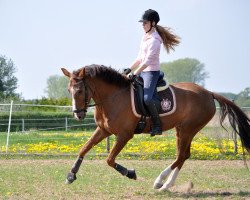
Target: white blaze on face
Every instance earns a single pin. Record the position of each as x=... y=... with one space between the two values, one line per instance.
x=73 y=100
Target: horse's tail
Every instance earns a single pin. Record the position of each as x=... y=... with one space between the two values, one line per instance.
x=237 y=118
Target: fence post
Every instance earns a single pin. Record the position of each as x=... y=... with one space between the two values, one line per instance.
x=66 y=124
x=8 y=134
x=235 y=142
x=235 y=139
x=22 y=125
x=108 y=144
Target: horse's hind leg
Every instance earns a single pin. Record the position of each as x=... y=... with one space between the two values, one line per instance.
x=183 y=152
x=97 y=137
x=184 y=136
x=176 y=166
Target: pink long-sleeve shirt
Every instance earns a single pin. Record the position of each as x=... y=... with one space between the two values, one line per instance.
x=149 y=53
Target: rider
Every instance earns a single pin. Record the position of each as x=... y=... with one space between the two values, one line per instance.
x=147 y=64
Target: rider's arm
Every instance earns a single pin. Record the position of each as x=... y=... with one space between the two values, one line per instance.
x=135 y=64
x=140 y=68
x=152 y=56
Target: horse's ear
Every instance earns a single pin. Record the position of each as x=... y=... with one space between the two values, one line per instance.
x=66 y=72
x=82 y=73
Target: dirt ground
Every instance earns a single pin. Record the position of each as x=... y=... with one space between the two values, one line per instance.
x=44 y=179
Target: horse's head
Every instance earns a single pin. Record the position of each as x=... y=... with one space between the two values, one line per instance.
x=79 y=92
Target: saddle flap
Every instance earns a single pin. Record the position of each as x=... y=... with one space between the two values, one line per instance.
x=138 y=96
x=167 y=101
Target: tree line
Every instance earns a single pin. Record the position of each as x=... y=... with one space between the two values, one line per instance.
x=181 y=70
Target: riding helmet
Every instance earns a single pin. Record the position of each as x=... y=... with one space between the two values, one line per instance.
x=150 y=15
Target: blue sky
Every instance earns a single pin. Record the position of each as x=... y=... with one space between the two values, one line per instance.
x=41 y=36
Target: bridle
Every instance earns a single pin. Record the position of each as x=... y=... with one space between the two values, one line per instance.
x=151 y=26
x=86 y=95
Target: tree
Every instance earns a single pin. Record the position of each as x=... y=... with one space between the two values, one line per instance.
x=8 y=82
x=244 y=98
x=185 y=70
x=229 y=95
x=245 y=93
x=57 y=87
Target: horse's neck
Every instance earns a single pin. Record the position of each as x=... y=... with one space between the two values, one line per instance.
x=109 y=96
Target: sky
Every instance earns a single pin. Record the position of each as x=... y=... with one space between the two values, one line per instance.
x=41 y=36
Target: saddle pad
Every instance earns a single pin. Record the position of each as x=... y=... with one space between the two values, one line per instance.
x=167 y=104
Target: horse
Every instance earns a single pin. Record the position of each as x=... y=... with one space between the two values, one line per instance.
x=110 y=90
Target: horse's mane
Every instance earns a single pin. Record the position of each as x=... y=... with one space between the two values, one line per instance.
x=107 y=74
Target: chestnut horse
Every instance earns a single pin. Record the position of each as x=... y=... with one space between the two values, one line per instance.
x=110 y=91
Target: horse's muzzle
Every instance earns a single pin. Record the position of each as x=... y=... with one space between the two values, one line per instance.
x=79 y=115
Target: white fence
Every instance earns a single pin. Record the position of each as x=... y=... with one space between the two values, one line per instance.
x=22 y=124
x=12 y=120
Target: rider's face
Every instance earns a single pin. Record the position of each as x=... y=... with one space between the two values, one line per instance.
x=146 y=26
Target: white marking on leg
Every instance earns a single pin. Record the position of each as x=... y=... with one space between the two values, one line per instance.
x=171 y=179
x=163 y=175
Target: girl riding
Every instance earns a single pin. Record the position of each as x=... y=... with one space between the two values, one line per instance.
x=147 y=64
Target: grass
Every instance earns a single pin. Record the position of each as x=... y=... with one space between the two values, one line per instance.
x=44 y=179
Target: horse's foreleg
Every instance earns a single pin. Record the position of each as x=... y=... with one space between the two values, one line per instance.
x=118 y=146
x=97 y=137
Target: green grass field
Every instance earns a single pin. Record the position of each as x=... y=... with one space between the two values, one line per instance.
x=44 y=179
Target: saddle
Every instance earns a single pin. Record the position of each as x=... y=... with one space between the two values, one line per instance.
x=166 y=104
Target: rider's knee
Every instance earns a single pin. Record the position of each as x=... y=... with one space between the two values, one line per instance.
x=147 y=101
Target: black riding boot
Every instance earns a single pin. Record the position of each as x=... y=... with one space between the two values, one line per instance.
x=156 y=127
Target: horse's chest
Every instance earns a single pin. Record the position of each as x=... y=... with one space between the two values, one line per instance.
x=104 y=122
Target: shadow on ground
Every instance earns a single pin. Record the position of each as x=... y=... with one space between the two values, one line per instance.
x=204 y=194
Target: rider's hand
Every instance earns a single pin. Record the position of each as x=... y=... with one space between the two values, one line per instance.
x=132 y=77
x=126 y=71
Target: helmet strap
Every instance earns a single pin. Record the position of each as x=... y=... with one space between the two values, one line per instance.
x=151 y=26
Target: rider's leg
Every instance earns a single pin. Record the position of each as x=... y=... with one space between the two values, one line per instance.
x=150 y=79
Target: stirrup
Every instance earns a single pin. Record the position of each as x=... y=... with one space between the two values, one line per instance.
x=156 y=131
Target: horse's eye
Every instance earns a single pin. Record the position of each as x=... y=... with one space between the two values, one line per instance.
x=78 y=92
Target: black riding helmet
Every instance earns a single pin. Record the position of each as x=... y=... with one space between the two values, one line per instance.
x=150 y=15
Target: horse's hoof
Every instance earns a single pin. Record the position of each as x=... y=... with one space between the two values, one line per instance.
x=131 y=174
x=158 y=185
x=67 y=182
x=70 y=178
x=166 y=187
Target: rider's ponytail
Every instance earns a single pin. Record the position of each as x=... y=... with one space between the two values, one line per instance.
x=170 y=40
